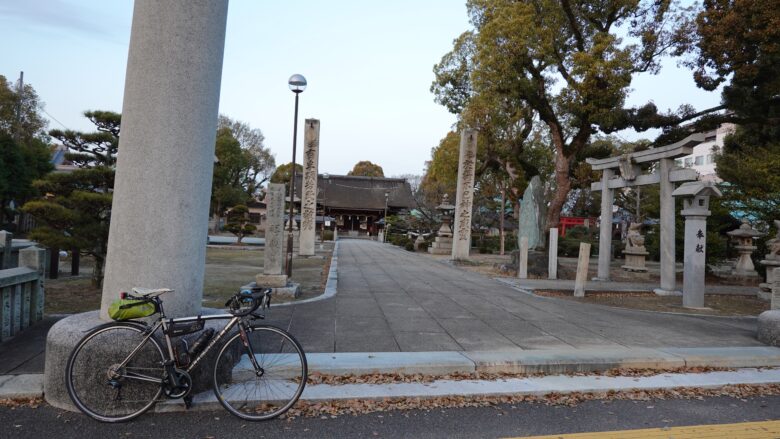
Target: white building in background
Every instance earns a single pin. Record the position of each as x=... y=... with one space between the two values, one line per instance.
x=703 y=160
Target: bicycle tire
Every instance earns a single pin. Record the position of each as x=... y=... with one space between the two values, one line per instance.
x=265 y=395
x=118 y=398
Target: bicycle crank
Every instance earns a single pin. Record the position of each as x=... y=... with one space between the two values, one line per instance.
x=182 y=389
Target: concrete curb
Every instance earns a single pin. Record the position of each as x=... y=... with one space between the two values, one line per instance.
x=538 y=386
x=331 y=286
x=550 y=362
x=21 y=386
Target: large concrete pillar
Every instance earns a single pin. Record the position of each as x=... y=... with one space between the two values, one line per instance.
x=311 y=155
x=605 y=230
x=159 y=218
x=461 y=243
x=667 y=230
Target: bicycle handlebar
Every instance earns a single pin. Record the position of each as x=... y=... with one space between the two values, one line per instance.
x=258 y=299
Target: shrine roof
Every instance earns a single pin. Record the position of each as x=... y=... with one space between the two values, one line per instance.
x=345 y=191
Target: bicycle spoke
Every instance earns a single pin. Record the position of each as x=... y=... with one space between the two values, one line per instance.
x=101 y=388
x=271 y=389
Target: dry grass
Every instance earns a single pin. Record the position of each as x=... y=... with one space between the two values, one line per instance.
x=227 y=269
x=716 y=304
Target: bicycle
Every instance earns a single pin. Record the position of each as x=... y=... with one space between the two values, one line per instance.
x=119 y=370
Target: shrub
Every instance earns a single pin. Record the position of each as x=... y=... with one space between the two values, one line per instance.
x=569 y=245
x=327 y=235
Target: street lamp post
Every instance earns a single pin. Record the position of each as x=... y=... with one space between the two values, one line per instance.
x=384 y=237
x=297 y=84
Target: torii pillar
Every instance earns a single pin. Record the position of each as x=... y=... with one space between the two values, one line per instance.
x=159 y=218
x=630 y=175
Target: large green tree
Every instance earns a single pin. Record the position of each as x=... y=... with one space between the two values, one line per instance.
x=366 y=169
x=259 y=162
x=283 y=173
x=19 y=112
x=24 y=152
x=570 y=64
x=75 y=209
x=243 y=165
x=736 y=45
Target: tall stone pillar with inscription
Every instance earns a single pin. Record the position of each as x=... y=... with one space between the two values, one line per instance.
x=696 y=203
x=273 y=276
x=311 y=154
x=464 y=197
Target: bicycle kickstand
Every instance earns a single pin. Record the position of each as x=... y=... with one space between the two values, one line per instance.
x=188 y=402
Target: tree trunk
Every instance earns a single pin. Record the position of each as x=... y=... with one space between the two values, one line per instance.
x=562 y=188
x=97 y=272
x=501 y=222
x=217 y=217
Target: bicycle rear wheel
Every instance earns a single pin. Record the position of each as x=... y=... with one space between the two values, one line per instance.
x=102 y=390
x=268 y=390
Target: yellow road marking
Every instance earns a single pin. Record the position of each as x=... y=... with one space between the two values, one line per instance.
x=744 y=430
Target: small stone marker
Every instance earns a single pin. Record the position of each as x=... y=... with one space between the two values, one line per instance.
x=311 y=156
x=696 y=198
x=552 y=261
x=465 y=194
x=582 y=270
x=274 y=239
x=522 y=262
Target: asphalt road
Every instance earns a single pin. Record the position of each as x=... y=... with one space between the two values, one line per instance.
x=488 y=422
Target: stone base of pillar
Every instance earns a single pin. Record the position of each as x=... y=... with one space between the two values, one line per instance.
x=66 y=333
x=744 y=275
x=442 y=245
x=769 y=327
x=660 y=292
x=635 y=260
x=271 y=280
x=288 y=291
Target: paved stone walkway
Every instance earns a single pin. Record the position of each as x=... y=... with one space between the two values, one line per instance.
x=393 y=300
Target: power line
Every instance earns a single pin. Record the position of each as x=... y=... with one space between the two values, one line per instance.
x=54 y=118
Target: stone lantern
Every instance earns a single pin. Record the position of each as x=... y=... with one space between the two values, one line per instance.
x=442 y=245
x=744 y=236
x=696 y=202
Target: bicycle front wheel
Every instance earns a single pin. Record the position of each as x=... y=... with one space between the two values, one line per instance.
x=261 y=376
x=103 y=388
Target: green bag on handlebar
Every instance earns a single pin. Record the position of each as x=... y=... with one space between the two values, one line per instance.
x=126 y=309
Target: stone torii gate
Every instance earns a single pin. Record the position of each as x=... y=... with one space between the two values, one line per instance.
x=629 y=176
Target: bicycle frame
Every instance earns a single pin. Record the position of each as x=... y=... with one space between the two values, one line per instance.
x=165 y=323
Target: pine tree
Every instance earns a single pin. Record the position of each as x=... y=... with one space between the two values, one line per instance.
x=75 y=210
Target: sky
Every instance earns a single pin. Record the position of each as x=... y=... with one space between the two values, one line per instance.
x=369 y=66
